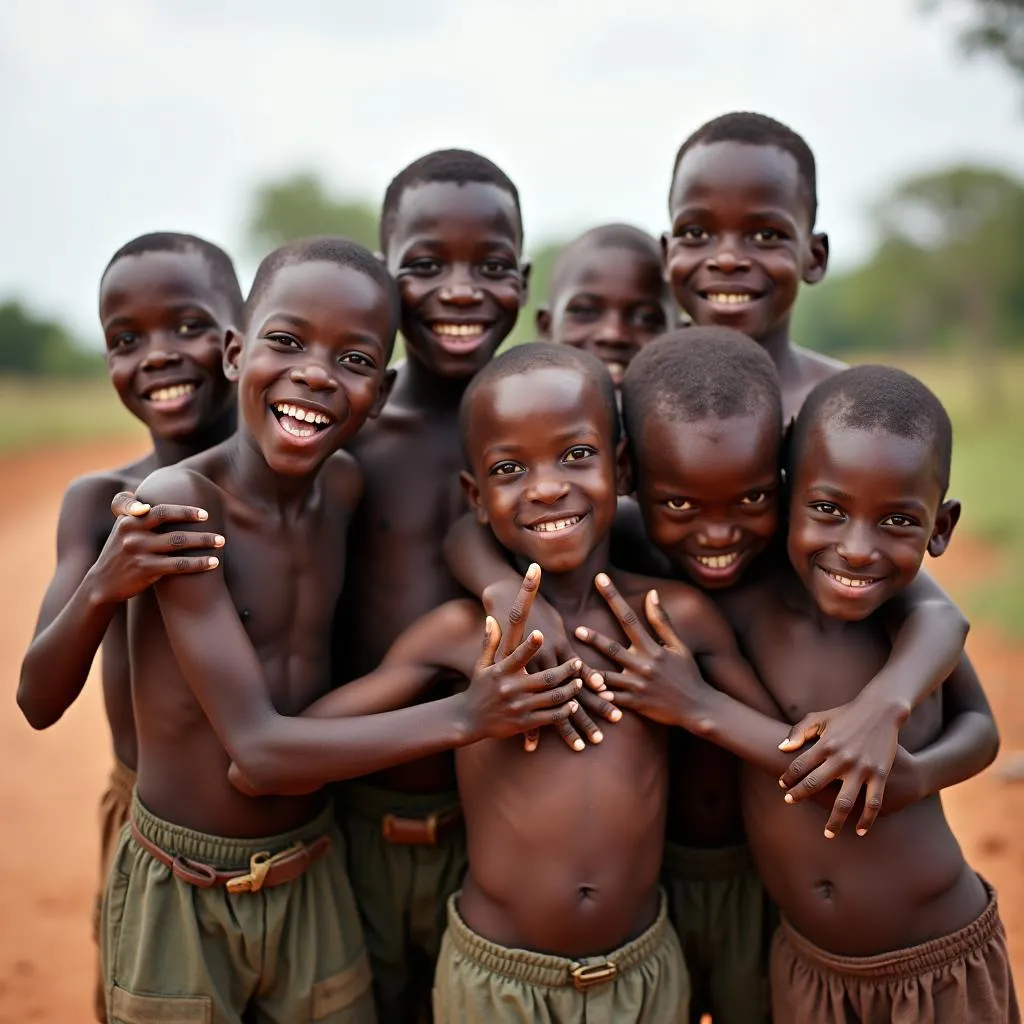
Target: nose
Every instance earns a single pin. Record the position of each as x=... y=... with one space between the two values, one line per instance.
x=546 y=487
x=160 y=355
x=611 y=330
x=314 y=376
x=728 y=256
x=718 y=534
x=460 y=289
x=856 y=547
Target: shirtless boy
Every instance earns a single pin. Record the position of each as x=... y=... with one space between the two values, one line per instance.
x=608 y=296
x=743 y=204
x=451 y=236
x=894 y=925
x=166 y=303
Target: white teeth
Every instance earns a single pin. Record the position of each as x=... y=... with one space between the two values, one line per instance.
x=718 y=561
x=459 y=330
x=293 y=427
x=169 y=393
x=846 y=581
x=729 y=298
x=302 y=415
x=554 y=525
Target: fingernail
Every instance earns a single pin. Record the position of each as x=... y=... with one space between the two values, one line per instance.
x=654 y=597
x=578 y=745
x=577 y=665
x=782 y=784
x=788 y=798
x=536 y=636
x=582 y=632
x=783 y=744
x=532 y=571
x=214 y=562
x=218 y=541
x=607 y=694
x=137 y=508
x=577 y=683
x=829 y=834
x=574 y=706
x=202 y=514
x=597 y=737
x=602 y=580
x=615 y=714
x=597 y=679
x=489 y=623
x=862 y=831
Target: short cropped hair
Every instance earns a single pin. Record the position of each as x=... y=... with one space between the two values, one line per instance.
x=878 y=398
x=757 y=130
x=699 y=373
x=536 y=355
x=458 y=166
x=327 y=249
x=606 y=236
x=222 y=270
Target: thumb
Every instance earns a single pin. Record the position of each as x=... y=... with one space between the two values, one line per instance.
x=126 y=504
x=659 y=622
x=492 y=638
x=808 y=728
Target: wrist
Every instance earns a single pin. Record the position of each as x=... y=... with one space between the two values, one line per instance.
x=465 y=728
x=97 y=593
x=699 y=715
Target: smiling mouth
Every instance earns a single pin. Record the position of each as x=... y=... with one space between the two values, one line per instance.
x=556 y=525
x=456 y=338
x=851 y=582
x=300 y=422
x=735 y=300
x=170 y=394
x=718 y=561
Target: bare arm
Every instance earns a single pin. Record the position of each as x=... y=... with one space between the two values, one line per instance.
x=88 y=587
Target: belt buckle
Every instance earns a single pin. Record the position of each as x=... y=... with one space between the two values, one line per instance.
x=259 y=867
x=410 y=831
x=586 y=976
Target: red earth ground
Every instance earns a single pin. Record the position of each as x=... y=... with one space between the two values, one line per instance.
x=52 y=780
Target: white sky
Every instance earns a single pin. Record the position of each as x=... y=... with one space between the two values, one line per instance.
x=124 y=116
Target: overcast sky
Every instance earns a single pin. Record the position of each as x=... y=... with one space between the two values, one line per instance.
x=124 y=116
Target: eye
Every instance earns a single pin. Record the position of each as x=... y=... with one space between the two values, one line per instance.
x=123 y=341
x=192 y=327
x=768 y=235
x=692 y=233
x=754 y=498
x=650 y=319
x=284 y=340
x=578 y=452
x=496 y=268
x=581 y=311
x=900 y=521
x=423 y=265
x=358 y=359
x=680 y=504
x=826 y=508
x=506 y=468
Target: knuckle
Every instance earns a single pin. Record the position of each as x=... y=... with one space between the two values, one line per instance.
x=182 y=564
x=843 y=805
x=810 y=784
x=515 y=614
x=550 y=678
x=177 y=540
x=614 y=648
x=874 y=803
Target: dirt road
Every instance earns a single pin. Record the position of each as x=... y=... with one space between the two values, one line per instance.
x=52 y=780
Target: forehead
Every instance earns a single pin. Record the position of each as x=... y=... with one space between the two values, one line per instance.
x=613 y=270
x=536 y=407
x=157 y=280
x=868 y=464
x=720 y=174
x=445 y=211
x=712 y=457
x=326 y=294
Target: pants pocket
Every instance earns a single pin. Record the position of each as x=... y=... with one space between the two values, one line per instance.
x=335 y=994
x=128 y=1008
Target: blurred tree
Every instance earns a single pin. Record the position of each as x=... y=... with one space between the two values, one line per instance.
x=301 y=205
x=31 y=346
x=996 y=27
x=542 y=262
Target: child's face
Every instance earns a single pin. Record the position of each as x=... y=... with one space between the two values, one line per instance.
x=709 y=493
x=865 y=506
x=164 y=324
x=611 y=303
x=544 y=470
x=311 y=367
x=454 y=252
x=741 y=240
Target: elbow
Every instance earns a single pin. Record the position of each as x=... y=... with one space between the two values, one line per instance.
x=992 y=749
x=37 y=713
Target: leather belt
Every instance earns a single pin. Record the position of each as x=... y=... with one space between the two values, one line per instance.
x=420 y=831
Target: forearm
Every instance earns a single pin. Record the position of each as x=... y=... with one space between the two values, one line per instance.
x=387 y=689
x=61 y=654
x=967 y=746
x=474 y=557
x=289 y=755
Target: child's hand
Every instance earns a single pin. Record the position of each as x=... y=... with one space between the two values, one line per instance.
x=526 y=609
x=661 y=680
x=854 y=744
x=135 y=556
x=505 y=700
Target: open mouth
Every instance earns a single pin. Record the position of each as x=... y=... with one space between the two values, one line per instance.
x=168 y=397
x=851 y=582
x=549 y=526
x=733 y=301
x=719 y=562
x=616 y=370
x=458 y=338
x=300 y=421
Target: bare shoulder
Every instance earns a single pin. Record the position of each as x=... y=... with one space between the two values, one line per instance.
x=180 y=484
x=85 y=508
x=449 y=637
x=342 y=478
x=816 y=367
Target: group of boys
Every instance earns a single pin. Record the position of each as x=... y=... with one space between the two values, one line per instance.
x=611 y=784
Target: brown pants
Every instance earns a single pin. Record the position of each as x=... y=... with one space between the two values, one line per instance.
x=115 y=808
x=963 y=978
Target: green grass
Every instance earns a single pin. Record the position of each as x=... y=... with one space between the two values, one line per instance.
x=40 y=412
x=988 y=456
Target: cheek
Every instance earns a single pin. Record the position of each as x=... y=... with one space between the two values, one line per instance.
x=506 y=294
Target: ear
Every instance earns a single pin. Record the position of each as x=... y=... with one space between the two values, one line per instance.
x=471 y=491
x=664 y=255
x=386 y=384
x=624 y=482
x=524 y=272
x=543 y=321
x=815 y=269
x=232 y=353
x=945 y=523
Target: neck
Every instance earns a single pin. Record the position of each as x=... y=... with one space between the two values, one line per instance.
x=572 y=591
x=420 y=387
x=169 y=451
x=260 y=486
x=778 y=345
